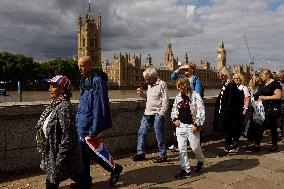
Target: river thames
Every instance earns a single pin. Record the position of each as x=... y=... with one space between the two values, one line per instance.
x=30 y=96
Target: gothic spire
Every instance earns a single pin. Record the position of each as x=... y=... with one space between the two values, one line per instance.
x=89 y=6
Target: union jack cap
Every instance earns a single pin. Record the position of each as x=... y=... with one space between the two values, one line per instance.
x=61 y=81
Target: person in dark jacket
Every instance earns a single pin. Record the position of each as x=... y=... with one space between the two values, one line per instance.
x=93 y=117
x=229 y=111
x=56 y=136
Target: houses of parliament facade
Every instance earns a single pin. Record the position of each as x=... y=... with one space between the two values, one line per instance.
x=126 y=69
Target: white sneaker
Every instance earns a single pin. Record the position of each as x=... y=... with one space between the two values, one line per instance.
x=172 y=147
x=234 y=150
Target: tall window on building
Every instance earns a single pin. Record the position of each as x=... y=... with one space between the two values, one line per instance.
x=83 y=42
x=91 y=42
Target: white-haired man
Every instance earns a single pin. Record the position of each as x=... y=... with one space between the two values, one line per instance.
x=156 y=108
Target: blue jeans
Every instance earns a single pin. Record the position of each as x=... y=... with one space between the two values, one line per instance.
x=147 y=122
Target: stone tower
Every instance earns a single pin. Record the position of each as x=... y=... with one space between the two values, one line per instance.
x=89 y=37
x=221 y=57
x=170 y=61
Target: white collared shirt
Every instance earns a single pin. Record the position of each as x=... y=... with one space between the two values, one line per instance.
x=157 y=99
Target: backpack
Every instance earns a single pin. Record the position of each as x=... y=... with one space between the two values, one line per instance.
x=202 y=88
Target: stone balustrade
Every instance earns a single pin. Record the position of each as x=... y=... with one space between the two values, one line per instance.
x=17 y=133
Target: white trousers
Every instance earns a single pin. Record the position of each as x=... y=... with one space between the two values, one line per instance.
x=183 y=133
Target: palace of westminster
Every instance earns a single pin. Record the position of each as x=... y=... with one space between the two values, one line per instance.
x=126 y=70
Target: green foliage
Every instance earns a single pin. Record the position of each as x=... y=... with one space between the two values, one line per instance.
x=15 y=67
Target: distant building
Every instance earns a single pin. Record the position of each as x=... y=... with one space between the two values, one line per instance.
x=126 y=70
x=89 y=37
x=221 y=57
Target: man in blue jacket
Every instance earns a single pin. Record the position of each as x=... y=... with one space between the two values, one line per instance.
x=92 y=118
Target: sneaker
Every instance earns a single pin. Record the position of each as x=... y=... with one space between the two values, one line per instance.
x=160 y=159
x=172 y=147
x=115 y=174
x=199 y=167
x=273 y=149
x=182 y=174
x=234 y=148
x=175 y=150
x=223 y=153
x=138 y=157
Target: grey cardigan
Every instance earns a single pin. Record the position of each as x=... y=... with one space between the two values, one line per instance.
x=61 y=155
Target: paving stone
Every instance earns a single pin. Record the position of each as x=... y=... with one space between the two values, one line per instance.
x=228 y=177
x=253 y=183
x=271 y=164
x=265 y=174
x=279 y=156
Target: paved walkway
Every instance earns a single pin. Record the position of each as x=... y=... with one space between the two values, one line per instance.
x=239 y=170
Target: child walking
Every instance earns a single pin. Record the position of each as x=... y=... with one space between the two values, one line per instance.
x=188 y=115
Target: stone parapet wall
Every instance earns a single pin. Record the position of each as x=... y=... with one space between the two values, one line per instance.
x=17 y=133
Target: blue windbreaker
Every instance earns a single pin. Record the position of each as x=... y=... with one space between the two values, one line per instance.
x=197 y=88
x=93 y=114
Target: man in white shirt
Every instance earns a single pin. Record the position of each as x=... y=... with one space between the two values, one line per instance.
x=156 y=107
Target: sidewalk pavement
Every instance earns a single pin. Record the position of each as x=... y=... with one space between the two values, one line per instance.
x=241 y=169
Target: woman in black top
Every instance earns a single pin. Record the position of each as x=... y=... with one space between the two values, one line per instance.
x=270 y=94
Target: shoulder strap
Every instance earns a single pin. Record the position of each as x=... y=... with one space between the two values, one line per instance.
x=194 y=82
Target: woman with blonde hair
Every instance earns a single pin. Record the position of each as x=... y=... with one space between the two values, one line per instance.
x=188 y=115
x=270 y=94
x=252 y=128
x=228 y=111
x=239 y=79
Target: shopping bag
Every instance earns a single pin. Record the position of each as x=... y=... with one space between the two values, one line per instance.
x=258 y=113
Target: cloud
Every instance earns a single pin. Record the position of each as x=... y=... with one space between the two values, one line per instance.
x=47 y=29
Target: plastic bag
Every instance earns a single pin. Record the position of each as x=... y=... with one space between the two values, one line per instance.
x=258 y=113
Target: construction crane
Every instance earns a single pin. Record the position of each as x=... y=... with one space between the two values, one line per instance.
x=251 y=58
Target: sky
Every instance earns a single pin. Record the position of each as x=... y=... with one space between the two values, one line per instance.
x=48 y=29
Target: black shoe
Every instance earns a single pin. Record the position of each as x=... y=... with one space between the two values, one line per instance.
x=273 y=149
x=223 y=153
x=138 y=157
x=160 y=159
x=199 y=167
x=115 y=174
x=76 y=185
x=234 y=148
x=254 y=148
x=182 y=174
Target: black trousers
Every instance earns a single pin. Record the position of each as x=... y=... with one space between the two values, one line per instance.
x=232 y=128
x=272 y=121
x=86 y=156
x=49 y=185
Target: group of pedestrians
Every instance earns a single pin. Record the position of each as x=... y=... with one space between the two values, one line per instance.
x=235 y=112
x=187 y=114
x=69 y=141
